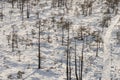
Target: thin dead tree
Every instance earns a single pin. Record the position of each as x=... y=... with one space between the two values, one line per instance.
x=97 y=44
x=68 y=65
x=76 y=62
x=38 y=24
x=28 y=9
x=63 y=26
x=14 y=39
x=1 y=11
x=39 y=55
x=81 y=67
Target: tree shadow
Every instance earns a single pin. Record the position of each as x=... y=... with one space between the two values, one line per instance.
x=47 y=73
x=30 y=74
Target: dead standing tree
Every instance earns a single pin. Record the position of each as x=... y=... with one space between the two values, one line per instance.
x=81 y=31
x=1 y=10
x=39 y=51
x=62 y=25
x=68 y=66
x=39 y=65
x=76 y=74
x=58 y=3
x=22 y=3
x=98 y=39
x=87 y=7
x=8 y=39
x=38 y=24
x=82 y=57
x=14 y=39
x=28 y=9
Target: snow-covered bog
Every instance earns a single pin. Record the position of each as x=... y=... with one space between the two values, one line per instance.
x=59 y=40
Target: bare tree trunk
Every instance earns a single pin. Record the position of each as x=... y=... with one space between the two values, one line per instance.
x=12 y=3
x=1 y=11
x=62 y=35
x=39 y=55
x=81 y=70
x=76 y=62
x=28 y=7
x=97 y=45
x=13 y=39
x=67 y=67
x=22 y=7
x=81 y=33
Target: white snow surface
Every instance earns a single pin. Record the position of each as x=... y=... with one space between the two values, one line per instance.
x=53 y=53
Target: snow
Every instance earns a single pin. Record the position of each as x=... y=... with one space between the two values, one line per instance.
x=107 y=49
x=22 y=64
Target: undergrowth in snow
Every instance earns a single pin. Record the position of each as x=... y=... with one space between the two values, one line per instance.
x=95 y=41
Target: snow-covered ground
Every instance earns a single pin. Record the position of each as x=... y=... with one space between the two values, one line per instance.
x=22 y=64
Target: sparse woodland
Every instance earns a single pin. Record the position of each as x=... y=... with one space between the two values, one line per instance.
x=59 y=39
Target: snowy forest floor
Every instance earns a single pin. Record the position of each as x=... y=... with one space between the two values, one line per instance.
x=22 y=64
